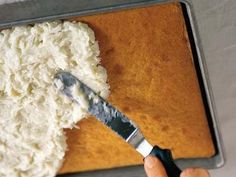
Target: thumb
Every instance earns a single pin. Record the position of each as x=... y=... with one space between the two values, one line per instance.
x=154 y=167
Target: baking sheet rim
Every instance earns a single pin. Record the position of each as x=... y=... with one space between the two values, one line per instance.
x=217 y=160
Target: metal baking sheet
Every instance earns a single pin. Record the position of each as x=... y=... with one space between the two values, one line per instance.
x=28 y=12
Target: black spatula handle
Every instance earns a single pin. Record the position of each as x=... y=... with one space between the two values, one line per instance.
x=165 y=157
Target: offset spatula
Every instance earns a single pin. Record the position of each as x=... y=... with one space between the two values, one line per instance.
x=115 y=120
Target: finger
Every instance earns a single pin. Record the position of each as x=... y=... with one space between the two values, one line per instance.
x=154 y=167
x=195 y=172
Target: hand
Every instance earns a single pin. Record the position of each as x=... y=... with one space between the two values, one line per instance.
x=154 y=168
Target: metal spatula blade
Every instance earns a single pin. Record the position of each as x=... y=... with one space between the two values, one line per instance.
x=114 y=119
x=105 y=112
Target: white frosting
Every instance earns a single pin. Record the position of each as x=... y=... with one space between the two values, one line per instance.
x=80 y=96
x=33 y=112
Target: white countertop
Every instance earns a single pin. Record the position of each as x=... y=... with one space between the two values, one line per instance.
x=217 y=26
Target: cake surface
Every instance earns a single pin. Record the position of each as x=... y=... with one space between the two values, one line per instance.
x=151 y=74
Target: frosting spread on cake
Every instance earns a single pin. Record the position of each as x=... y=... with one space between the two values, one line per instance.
x=33 y=112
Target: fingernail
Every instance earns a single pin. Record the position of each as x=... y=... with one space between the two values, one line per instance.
x=150 y=161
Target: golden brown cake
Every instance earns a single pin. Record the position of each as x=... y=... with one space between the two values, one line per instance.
x=152 y=77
